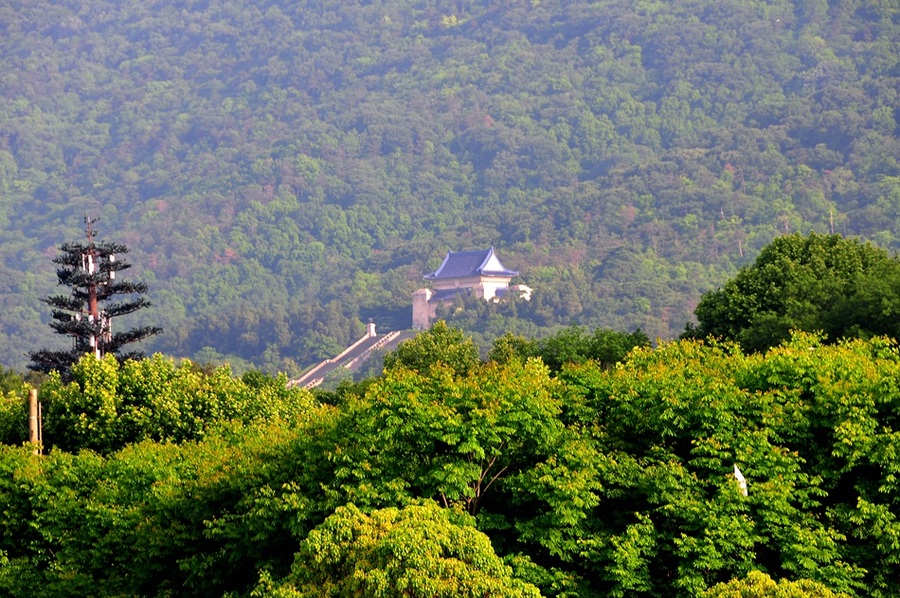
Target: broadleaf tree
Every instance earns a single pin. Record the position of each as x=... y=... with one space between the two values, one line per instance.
x=842 y=287
x=96 y=298
x=417 y=551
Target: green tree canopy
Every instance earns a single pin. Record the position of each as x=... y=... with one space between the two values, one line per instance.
x=574 y=345
x=420 y=551
x=842 y=287
x=439 y=344
x=13 y=407
x=110 y=404
x=759 y=585
x=594 y=482
x=445 y=437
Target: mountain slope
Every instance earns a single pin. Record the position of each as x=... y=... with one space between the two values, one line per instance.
x=285 y=171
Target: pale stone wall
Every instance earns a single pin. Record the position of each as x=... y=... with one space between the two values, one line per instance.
x=422 y=311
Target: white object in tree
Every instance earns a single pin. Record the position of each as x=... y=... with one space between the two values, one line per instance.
x=741 y=480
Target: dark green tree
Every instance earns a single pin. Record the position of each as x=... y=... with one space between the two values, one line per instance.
x=86 y=314
x=574 y=345
x=842 y=287
x=570 y=345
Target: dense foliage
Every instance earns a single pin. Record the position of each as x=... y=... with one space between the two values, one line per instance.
x=825 y=283
x=286 y=171
x=417 y=551
x=13 y=407
x=503 y=478
x=760 y=585
x=109 y=404
x=440 y=345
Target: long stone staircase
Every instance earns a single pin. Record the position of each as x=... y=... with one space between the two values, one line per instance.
x=353 y=357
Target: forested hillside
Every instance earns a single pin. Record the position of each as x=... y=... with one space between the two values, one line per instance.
x=285 y=171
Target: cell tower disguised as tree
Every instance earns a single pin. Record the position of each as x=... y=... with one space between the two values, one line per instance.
x=86 y=315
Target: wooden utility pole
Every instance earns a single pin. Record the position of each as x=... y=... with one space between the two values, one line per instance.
x=35 y=425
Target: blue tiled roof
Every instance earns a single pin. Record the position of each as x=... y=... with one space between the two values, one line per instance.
x=462 y=264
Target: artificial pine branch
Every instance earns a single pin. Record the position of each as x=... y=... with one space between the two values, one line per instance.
x=88 y=269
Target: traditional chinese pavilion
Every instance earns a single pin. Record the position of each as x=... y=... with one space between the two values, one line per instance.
x=476 y=273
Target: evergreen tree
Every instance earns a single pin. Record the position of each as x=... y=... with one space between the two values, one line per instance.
x=86 y=315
